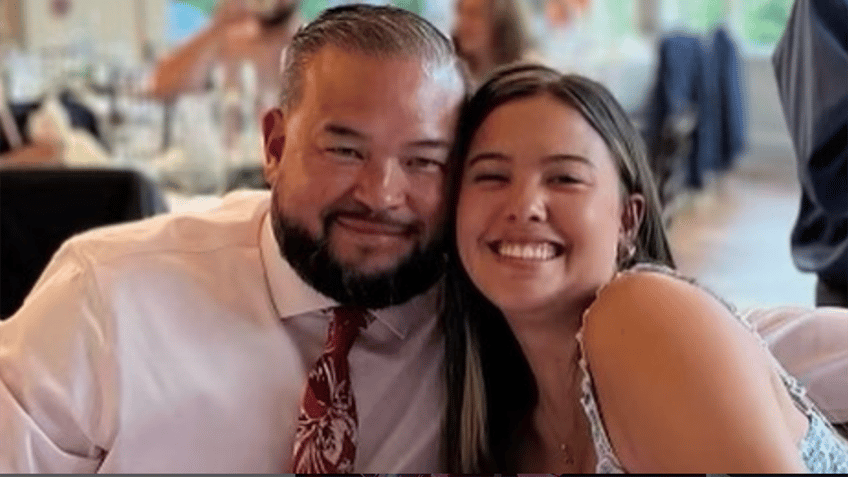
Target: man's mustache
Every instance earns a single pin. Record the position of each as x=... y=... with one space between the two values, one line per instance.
x=360 y=211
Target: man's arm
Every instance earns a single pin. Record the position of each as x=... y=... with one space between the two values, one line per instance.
x=58 y=408
x=187 y=69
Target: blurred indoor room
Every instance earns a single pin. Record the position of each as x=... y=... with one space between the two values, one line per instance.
x=720 y=145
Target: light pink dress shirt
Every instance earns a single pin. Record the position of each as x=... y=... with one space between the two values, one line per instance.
x=181 y=344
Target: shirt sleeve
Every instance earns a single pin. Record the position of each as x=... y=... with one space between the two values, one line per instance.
x=57 y=374
x=810 y=345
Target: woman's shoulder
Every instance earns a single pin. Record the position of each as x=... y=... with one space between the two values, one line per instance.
x=669 y=361
x=655 y=295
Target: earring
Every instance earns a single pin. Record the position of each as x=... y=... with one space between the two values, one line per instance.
x=625 y=253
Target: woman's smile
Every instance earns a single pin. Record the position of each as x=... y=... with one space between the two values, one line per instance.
x=532 y=251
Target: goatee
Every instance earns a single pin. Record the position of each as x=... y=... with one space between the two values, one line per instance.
x=312 y=259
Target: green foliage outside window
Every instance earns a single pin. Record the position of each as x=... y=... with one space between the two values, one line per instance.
x=700 y=16
x=621 y=17
x=759 y=23
x=309 y=9
x=205 y=6
x=764 y=20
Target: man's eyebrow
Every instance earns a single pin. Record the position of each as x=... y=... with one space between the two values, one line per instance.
x=345 y=131
x=431 y=143
x=339 y=130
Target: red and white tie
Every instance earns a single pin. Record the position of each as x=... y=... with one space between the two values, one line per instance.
x=326 y=437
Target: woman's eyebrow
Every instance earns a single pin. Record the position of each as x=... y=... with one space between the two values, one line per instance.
x=486 y=156
x=554 y=158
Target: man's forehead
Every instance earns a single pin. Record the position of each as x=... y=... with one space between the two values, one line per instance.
x=332 y=62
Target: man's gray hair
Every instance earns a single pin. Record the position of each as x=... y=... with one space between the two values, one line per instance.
x=377 y=30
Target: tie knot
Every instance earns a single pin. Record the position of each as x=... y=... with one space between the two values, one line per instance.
x=345 y=326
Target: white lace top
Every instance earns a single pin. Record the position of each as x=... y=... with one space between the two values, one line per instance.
x=822 y=449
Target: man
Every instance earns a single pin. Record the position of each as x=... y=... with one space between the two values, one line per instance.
x=184 y=343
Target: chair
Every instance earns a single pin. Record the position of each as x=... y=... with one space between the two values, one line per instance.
x=41 y=208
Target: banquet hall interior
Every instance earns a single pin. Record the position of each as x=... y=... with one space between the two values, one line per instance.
x=80 y=75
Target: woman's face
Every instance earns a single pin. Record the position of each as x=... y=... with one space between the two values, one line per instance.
x=473 y=26
x=540 y=207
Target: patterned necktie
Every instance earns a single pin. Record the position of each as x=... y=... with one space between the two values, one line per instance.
x=325 y=442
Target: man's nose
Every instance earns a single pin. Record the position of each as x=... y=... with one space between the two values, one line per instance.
x=527 y=202
x=382 y=184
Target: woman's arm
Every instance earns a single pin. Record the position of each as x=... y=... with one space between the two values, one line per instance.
x=682 y=386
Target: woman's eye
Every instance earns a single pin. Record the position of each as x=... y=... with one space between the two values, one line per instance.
x=564 y=179
x=489 y=177
x=346 y=153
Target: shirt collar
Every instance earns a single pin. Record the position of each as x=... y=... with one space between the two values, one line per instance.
x=292 y=296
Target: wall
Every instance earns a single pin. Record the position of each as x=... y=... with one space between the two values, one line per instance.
x=10 y=22
x=114 y=24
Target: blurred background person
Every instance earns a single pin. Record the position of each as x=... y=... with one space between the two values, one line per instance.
x=237 y=59
x=242 y=34
x=107 y=53
x=489 y=33
x=811 y=64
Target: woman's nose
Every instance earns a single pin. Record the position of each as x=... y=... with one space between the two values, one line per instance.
x=527 y=203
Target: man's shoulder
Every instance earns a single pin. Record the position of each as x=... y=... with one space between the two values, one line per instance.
x=234 y=222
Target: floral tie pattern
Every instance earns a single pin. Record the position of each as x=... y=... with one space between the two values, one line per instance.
x=326 y=437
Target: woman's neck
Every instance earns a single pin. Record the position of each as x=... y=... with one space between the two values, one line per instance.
x=560 y=427
x=548 y=342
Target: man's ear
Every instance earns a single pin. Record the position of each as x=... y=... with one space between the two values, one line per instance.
x=274 y=132
x=632 y=215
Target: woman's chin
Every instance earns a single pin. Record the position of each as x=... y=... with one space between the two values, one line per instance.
x=520 y=304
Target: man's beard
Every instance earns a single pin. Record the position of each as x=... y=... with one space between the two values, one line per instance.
x=313 y=261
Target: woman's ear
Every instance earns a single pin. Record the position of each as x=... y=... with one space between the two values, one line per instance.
x=274 y=132
x=632 y=215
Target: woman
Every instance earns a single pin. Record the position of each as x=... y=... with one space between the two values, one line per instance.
x=556 y=219
x=488 y=33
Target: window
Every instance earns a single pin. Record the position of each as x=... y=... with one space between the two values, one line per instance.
x=185 y=17
x=763 y=21
x=757 y=24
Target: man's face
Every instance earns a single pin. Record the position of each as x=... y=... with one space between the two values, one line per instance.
x=357 y=169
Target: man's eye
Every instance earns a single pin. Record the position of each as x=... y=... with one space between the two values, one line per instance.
x=346 y=153
x=424 y=164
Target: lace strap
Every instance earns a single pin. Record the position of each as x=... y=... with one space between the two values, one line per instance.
x=607 y=461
